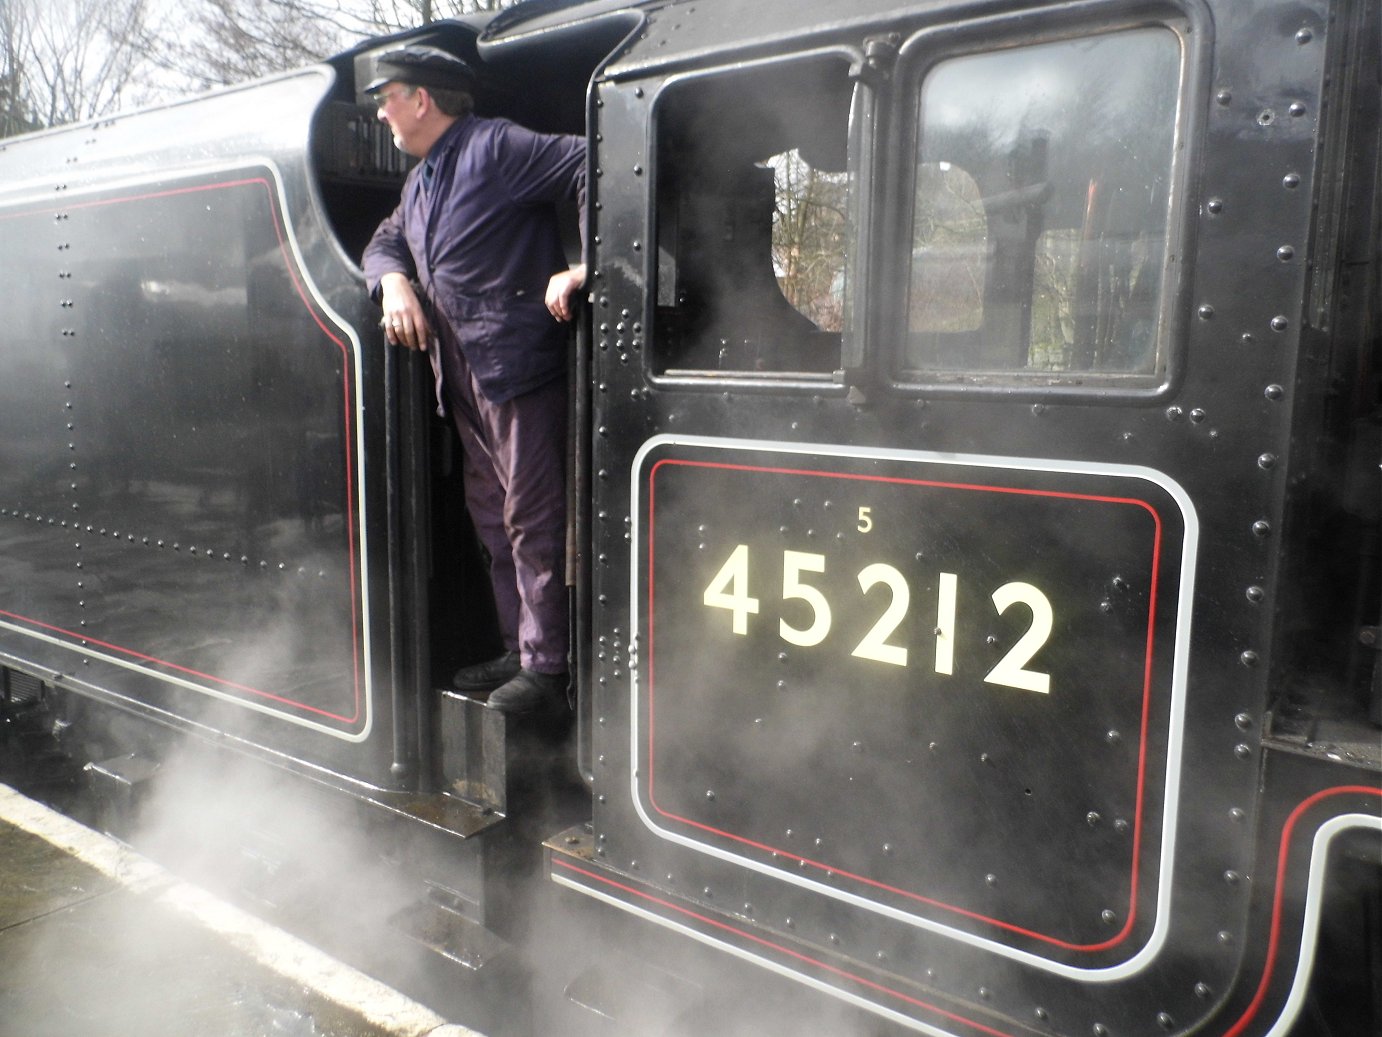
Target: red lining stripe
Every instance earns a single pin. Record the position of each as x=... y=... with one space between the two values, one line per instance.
x=785 y=951
x=1236 y=1030
x=1274 y=935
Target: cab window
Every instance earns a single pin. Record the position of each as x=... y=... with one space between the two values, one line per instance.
x=1040 y=209
x=753 y=221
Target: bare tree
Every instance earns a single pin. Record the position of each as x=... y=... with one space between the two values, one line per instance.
x=231 y=41
x=389 y=15
x=810 y=232
x=14 y=118
x=66 y=60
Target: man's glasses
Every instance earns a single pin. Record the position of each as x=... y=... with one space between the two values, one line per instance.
x=382 y=99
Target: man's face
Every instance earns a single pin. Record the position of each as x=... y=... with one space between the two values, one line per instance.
x=398 y=108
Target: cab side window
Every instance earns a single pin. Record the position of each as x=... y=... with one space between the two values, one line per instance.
x=1040 y=211
x=753 y=225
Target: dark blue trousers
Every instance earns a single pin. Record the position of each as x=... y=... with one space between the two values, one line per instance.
x=515 y=490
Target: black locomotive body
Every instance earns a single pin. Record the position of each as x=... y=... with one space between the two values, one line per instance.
x=975 y=497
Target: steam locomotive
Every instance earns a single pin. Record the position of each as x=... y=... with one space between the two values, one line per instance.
x=977 y=418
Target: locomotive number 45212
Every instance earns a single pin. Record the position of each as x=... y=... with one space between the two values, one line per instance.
x=729 y=589
x=907 y=574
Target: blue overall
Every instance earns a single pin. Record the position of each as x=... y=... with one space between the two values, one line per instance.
x=476 y=227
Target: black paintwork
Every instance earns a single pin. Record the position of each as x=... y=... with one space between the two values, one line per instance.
x=1121 y=848
x=183 y=493
x=948 y=850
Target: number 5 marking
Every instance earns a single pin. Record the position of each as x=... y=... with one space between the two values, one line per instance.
x=794 y=563
x=1011 y=670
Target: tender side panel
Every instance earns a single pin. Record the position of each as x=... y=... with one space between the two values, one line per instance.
x=178 y=456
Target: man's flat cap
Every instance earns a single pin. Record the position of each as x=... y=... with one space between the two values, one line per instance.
x=419 y=65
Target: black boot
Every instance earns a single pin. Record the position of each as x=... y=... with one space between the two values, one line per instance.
x=487 y=676
x=531 y=692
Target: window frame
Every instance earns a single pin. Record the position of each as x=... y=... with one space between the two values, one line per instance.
x=918 y=55
x=861 y=146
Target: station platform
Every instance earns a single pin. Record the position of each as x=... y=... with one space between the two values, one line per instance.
x=98 y=941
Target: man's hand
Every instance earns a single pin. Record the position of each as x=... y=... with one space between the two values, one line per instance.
x=561 y=289
x=404 y=322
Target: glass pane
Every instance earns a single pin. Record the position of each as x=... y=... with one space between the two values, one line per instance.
x=950 y=253
x=753 y=228
x=1041 y=208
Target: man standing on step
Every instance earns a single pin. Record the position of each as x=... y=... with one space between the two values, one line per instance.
x=476 y=227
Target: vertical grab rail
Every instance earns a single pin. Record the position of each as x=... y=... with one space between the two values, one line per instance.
x=416 y=465
x=402 y=763
x=409 y=536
